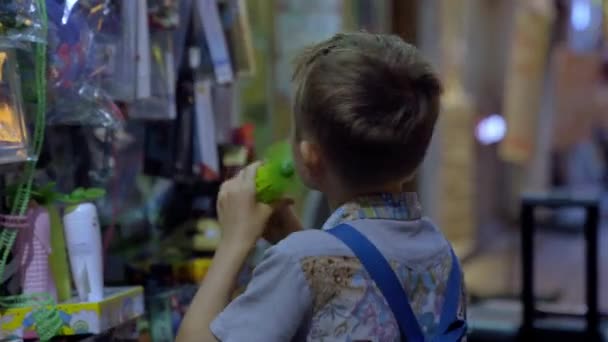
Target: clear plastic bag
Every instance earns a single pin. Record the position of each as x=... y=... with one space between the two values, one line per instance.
x=111 y=60
x=14 y=145
x=20 y=22
x=79 y=62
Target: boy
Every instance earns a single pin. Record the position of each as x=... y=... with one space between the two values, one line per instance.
x=364 y=112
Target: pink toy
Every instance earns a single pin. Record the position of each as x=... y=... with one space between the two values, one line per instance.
x=33 y=250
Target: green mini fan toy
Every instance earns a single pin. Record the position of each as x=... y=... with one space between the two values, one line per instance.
x=277 y=176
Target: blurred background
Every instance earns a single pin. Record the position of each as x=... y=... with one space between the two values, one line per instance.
x=517 y=174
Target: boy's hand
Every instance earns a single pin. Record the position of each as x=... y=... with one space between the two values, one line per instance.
x=242 y=218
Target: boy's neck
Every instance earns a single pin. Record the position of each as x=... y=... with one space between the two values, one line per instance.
x=344 y=194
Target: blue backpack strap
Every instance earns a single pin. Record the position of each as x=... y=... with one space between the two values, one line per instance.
x=450 y=327
x=385 y=278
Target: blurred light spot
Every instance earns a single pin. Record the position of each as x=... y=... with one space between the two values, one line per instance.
x=580 y=14
x=491 y=130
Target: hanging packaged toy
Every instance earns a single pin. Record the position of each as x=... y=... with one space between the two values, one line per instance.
x=13 y=134
x=20 y=22
x=76 y=66
x=163 y=19
x=104 y=37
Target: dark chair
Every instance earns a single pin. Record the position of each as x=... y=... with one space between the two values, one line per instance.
x=531 y=316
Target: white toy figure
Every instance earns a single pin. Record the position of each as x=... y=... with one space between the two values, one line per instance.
x=83 y=239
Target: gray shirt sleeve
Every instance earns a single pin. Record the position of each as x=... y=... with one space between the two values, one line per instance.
x=273 y=306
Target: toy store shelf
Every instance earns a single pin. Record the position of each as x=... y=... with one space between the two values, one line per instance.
x=119 y=306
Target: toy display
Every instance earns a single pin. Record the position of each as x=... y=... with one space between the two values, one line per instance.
x=99 y=63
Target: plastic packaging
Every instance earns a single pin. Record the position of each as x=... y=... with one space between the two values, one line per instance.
x=235 y=21
x=79 y=61
x=163 y=20
x=161 y=105
x=213 y=43
x=20 y=22
x=13 y=134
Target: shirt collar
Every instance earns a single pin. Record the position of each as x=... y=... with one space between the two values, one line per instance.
x=401 y=207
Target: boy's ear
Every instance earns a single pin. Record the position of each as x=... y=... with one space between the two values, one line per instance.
x=311 y=155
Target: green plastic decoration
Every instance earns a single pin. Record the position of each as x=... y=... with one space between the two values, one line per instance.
x=276 y=177
x=81 y=195
x=60 y=267
x=48 y=197
x=47 y=320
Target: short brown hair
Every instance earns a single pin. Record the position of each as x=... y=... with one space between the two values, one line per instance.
x=371 y=101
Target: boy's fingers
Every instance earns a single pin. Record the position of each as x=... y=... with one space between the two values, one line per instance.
x=249 y=172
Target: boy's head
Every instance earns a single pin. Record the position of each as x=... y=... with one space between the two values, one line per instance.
x=365 y=108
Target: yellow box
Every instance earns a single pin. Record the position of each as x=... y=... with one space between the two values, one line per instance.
x=119 y=306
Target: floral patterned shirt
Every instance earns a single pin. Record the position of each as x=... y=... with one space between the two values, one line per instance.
x=310 y=286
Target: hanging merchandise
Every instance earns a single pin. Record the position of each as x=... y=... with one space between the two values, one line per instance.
x=142 y=54
x=161 y=104
x=168 y=144
x=214 y=46
x=182 y=32
x=118 y=60
x=235 y=20
x=13 y=134
x=204 y=139
x=525 y=78
x=225 y=98
x=79 y=61
x=20 y=22
x=184 y=125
